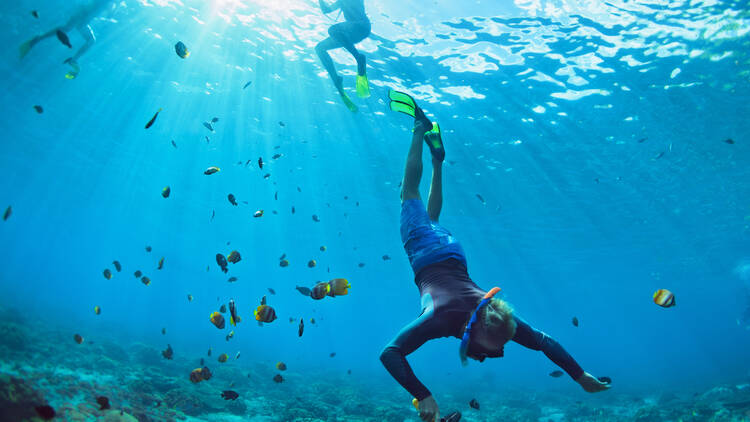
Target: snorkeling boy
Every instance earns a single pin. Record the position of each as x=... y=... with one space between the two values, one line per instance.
x=80 y=21
x=452 y=304
x=354 y=29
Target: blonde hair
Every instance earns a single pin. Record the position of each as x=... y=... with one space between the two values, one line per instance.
x=497 y=319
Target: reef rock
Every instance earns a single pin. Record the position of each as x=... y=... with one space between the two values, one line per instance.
x=17 y=399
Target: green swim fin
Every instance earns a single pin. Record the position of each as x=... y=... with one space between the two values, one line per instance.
x=363 y=86
x=74 y=69
x=24 y=49
x=434 y=141
x=349 y=104
x=402 y=102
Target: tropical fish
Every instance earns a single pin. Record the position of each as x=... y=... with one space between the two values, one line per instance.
x=230 y=335
x=232 y=279
x=97 y=310
x=323 y=248
x=63 y=37
x=217 y=319
x=333 y=354
x=223 y=357
x=223 y=309
x=361 y=265
x=209 y=352
x=320 y=290
x=729 y=141
x=160 y=265
x=339 y=287
x=145 y=280
x=556 y=374
x=263 y=300
x=117 y=265
x=316 y=218
x=168 y=352
x=214 y=120
x=258 y=214
x=575 y=321
x=39 y=109
x=301 y=328
x=278 y=378
x=260 y=162
x=211 y=170
x=163 y=331
x=276 y=156
x=148 y=248
x=229 y=395
x=174 y=144
x=78 y=339
x=267 y=175
x=208 y=126
x=311 y=263
x=284 y=263
x=234 y=257
x=272 y=291
x=247 y=84
x=200 y=374
x=46 y=412
x=265 y=313
x=107 y=274
x=474 y=404
x=304 y=290
x=281 y=366
x=222 y=261
x=312 y=321
x=166 y=191
x=481 y=199
x=232 y=199
x=181 y=50
x=137 y=274
x=233 y=317
x=386 y=258
x=153 y=119
x=103 y=402
x=35 y=14
x=276 y=196
x=237 y=356
x=293 y=210
x=7 y=213
x=282 y=124
x=664 y=298
x=190 y=297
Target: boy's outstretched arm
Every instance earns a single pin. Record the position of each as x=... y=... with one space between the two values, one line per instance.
x=328 y=9
x=534 y=339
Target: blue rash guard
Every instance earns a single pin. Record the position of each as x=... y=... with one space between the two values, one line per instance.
x=448 y=297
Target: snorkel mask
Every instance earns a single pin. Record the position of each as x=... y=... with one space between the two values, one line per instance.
x=463 y=350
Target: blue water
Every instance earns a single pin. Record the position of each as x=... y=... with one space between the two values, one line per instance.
x=596 y=132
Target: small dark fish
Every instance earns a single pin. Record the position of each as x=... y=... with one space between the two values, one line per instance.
x=481 y=199
x=234 y=257
x=452 y=417
x=282 y=256
x=232 y=279
x=8 y=211
x=145 y=280
x=117 y=265
x=213 y=213
x=45 y=412
x=168 y=352
x=263 y=300
x=232 y=199
x=315 y=218
x=556 y=374
x=166 y=191
x=728 y=140
x=332 y=354
x=107 y=274
x=299 y=189
x=386 y=258
x=642 y=140
x=148 y=248
x=301 y=328
x=661 y=154
x=35 y=14
x=63 y=37
x=208 y=126
x=153 y=119
x=214 y=120
x=606 y=380
x=474 y=404
x=203 y=361
x=181 y=50
x=276 y=156
x=260 y=162
x=174 y=144
x=138 y=274
x=282 y=124
x=575 y=321
x=304 y=290
x=78 y=339
x=161 y=264
x=272 y=291
x=103 y=402
x=247 y=84
x=276 y=196
x=349 y=372
x=278 y=378
x=163 y=331
x=293 y=210
x=222 y=261
x=209 y=352
x=229 y=395
x=223 y=309
x=39 y=109
x=267 y=176
x=361 y=265
x=208 y=140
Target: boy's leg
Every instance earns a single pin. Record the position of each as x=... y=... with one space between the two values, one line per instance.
x=413 y=171
x=435 y=200
x=322 y=50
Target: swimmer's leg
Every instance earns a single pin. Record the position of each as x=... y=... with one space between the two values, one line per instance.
x=322 y=50
x=413 y=171
x=341 y=33
x=435 y=200
x=88 y=34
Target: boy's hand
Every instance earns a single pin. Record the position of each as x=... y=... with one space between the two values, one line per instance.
x=591 y=384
